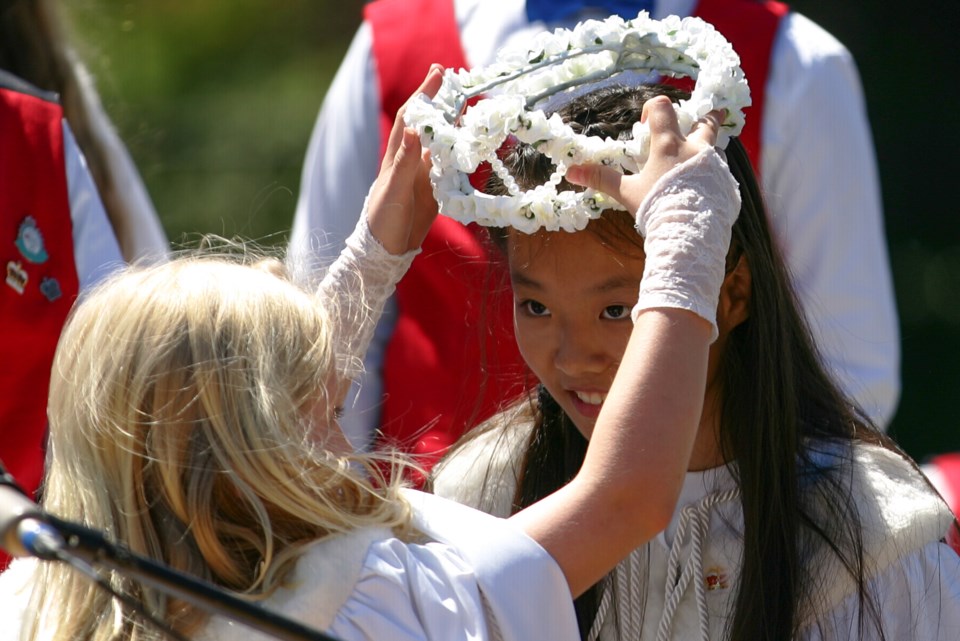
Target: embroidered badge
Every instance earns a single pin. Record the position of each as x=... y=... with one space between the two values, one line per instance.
x=50 y=288
x=715 y=578
x=30 y=241
x=16 y=276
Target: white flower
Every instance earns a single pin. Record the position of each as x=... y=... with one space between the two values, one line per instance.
x=591 y=33
x=546 y=65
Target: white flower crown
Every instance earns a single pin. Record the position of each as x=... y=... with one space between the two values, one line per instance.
x=558 y=63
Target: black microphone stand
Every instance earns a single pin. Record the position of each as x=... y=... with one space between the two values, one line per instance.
x=91 y=546
x=49 y=538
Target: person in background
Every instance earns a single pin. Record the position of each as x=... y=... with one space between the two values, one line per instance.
x=73 y=208
x=55 y=241
x=807 y=135
x=35 y=46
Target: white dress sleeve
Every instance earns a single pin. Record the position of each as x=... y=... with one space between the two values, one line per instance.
x=820 y=181
x=96 y=251
x=397 y=592
x=518 y=580
x=917 y=598
x=412 y=592
x=356 y=287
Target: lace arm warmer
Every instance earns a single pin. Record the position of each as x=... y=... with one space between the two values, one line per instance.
x=356 y=287
x=686 y=222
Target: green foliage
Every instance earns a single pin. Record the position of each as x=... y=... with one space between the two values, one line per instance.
x=216 y=100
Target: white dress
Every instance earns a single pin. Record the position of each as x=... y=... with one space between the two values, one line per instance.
x=683 y=583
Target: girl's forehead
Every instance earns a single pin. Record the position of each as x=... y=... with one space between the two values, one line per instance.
x=528 y=247
x=600 y=243
x=574 y=262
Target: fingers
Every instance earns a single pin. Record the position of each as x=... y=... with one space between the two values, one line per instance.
x=401 y=206
x=406 y=160
x=707 y=128
x=661 y=117
x=668 y=148
x=390 y=206
x=425 y=207
x=598 y=177
x=429 y=86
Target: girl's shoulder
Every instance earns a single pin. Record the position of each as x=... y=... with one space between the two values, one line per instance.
x=900 y=514
x=323 y=583
x=505 y=579
x=897 y=505
x=468 y=575
x=900 y=510
x=483 y=468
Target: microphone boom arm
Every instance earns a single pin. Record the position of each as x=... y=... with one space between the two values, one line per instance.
x=50 y=538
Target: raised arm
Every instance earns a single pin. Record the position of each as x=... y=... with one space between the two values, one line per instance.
x=626 y=491
x=396 y=217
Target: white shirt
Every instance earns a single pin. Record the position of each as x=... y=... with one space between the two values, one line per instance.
x=819 y=178
x=95 y=248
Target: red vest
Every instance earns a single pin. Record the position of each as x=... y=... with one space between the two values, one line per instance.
x=452 y=360
x=36 y=253
x=948 y=465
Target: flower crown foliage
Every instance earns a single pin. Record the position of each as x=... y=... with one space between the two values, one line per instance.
x=556 y=64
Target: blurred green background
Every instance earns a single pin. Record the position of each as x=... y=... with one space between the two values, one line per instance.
x=216 y=101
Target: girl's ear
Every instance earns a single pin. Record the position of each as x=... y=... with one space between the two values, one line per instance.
x=735 y=295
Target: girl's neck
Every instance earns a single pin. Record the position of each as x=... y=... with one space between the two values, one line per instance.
x=707 y=452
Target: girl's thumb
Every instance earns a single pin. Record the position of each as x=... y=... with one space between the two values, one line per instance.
x=597 y=177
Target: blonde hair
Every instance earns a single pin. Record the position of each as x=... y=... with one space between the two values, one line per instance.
x=189 y=407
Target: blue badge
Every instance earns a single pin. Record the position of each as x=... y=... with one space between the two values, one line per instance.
x=30 y=241
x=17 y=276
x=50 y=288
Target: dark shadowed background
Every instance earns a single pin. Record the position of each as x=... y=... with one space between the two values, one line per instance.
x=216 y=101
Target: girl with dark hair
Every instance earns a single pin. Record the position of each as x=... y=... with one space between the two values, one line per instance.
x=797 y=518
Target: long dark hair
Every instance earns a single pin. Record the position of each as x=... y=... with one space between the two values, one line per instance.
x=774 y=434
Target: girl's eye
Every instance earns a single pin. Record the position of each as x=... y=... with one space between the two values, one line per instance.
x=615 y=312
x=534 y=308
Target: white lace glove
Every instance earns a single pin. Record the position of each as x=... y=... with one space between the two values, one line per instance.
x=686 y=222
x=357 y=286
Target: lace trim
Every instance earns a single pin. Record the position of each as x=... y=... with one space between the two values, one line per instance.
x=686 y=222
x=357 y=286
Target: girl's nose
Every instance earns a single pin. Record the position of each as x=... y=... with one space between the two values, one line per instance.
x=579 y=353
